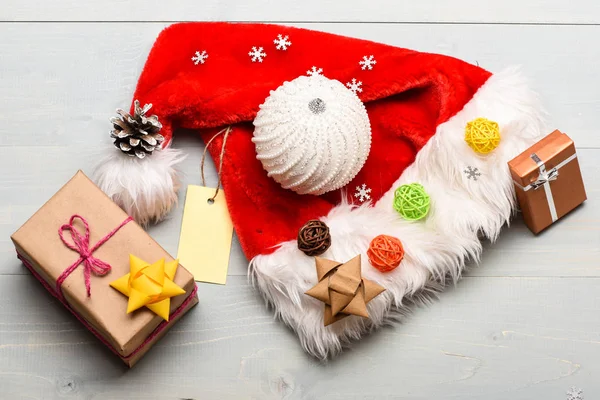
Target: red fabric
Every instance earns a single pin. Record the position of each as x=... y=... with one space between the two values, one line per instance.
x=407 y=95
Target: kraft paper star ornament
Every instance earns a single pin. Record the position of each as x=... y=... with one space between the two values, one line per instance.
x=343 y=290
x=149 y=285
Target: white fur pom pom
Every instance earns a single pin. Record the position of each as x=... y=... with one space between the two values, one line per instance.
x=145 y=188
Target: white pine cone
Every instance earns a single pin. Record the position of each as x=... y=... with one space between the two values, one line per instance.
x=136 y=135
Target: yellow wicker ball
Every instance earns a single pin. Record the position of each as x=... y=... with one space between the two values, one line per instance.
x=482 y=135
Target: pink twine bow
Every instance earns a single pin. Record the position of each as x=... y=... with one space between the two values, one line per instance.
x=81 y=245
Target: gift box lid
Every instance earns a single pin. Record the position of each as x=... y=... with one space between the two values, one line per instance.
x=552 y=150
x=39 y=243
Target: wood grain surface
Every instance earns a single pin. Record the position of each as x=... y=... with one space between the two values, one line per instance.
x=524 y=324
x=389 y=11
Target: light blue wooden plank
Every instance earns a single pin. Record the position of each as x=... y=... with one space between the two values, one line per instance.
x=509 y=11
x=570 y=248
x=488 y=338
x=523 y=326
x=60 y=83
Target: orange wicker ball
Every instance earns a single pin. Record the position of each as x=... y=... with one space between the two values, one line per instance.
x=385 y=253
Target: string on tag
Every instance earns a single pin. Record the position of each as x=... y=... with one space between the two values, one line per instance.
x=226 y=132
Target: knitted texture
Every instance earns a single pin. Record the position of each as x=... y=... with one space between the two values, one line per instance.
x=385 y=253
x=482 y=135
x=312 y=135
x=411 y=201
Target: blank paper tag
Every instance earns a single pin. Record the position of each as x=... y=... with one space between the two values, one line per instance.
x=206 y=232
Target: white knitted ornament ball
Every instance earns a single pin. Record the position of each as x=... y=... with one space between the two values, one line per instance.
x=312 y=135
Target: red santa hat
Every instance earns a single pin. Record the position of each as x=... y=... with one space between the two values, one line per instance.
x=327 y=128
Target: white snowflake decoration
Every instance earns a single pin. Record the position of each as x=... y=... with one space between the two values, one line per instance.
x=257 y=54
x=312 y=135
x=367 y=62
x=282 y=42
x=200 y=57
x=362 y=193
x=575 y=394
x=314 y=71
x=355 y=86
x=472 y=173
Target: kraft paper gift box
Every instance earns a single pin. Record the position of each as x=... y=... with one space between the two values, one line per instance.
x=103 y=312
x=547 y=180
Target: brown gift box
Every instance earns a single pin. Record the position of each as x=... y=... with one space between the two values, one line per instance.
x=39 y=246
x=547 y=180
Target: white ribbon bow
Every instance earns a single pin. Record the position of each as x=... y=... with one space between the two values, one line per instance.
x=545 y=176
x=544 y=180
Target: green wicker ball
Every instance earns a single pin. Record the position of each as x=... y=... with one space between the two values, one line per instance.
x=411 y=201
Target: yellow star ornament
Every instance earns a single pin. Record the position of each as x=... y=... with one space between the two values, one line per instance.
x=149 y=285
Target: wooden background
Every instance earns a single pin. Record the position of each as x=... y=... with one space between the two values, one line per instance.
x=523 y=325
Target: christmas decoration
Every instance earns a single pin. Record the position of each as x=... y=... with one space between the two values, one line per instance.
x=575 y=393
x=136 y=135
x=149 y=285
x=81 y=245
x=257 y=54
x=73 y=256
x=385 y=253
x=482 y=135
x=367 y=63
x=342 y=289
x=547 y=180
x=200 y=57
x=418 y=105
x=355 y=86
x=312 y=135
x=472 y=173
x=411 y=201
x=314 y=238
x=282 y=42
x=145 y=190
x=362 y=193
x=314 y=71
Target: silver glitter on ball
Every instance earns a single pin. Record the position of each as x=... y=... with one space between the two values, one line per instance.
x=312 y=135
x=316 y=106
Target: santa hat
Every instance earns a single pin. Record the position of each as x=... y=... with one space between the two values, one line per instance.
x=367 y=138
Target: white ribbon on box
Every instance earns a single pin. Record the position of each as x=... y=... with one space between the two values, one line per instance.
x=544 y=181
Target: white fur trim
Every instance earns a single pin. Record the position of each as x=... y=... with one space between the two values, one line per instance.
x=436 y=248
x=145 y=188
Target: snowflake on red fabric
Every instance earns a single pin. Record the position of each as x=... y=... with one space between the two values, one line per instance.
x=367 y=62
x=314 y=71
x=355 y=86
x=362 y=193
x=257 y=54
x=282 y=42
x=200 y=57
